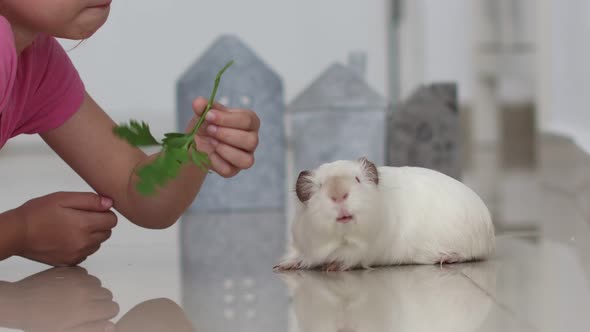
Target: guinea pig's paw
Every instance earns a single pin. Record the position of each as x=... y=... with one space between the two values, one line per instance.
x=287 y=265
x=366 y=267
x=335 y=267
x=449 y=258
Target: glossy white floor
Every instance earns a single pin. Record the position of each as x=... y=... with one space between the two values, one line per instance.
x=537 y=281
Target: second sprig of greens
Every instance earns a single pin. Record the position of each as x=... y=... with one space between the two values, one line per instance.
x=177 y=148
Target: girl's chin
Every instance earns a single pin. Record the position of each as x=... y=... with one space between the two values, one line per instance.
x=89 y=29
x=92 y=19
x=75 y=35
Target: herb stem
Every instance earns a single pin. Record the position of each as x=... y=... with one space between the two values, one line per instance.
x=211 y=99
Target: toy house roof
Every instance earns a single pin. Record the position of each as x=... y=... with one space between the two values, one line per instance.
x=338 y=88
x=247 y=66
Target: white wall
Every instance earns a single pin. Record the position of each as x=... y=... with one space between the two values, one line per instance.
x=132 y=63
x=447 y=36
x=435 y=45
x=568 y=66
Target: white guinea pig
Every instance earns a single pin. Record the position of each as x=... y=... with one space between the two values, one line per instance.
x=351 y=214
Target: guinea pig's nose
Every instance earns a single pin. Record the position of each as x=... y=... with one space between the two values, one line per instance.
x=340 y=199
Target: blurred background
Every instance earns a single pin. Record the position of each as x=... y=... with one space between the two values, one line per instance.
x=504 y=54
x=520 y=66
x=521 y=56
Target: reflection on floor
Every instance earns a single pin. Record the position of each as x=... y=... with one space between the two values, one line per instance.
x=538 y=279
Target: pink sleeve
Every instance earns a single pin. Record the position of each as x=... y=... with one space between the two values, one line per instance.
x=57 y=90
x=7 y=61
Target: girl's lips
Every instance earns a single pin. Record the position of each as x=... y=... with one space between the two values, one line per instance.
x=103 y=4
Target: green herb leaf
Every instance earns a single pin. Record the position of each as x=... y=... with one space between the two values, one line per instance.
x=175 y=148
x=200 y=159
x=164 y=168
x=137 y=134
x=177 y=141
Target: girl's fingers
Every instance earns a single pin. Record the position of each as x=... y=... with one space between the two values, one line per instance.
x=235 y=118
x=221 y=166
x=218 y=106
x=101 y=236
x=235 y=157
x=204 y=144
x=231 y=133
x=203 y=129
x=200 y=104
x=245 y=140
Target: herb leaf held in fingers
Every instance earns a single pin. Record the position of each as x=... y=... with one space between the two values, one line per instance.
x=176 y=148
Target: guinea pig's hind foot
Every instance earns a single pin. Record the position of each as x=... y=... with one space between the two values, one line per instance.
x=334 y=267
x=449 y=258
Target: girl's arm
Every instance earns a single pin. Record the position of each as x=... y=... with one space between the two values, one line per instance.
x=12 y=233
x=108 y=164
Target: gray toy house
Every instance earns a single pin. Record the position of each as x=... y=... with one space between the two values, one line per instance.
x=425 y=130
x=339 y=116
x=248 y=83
x=233 y=232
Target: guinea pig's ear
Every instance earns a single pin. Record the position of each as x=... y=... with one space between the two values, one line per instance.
x=304 y=186
x=369 y=169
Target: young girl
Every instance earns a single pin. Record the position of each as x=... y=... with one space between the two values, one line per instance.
x=41 y=92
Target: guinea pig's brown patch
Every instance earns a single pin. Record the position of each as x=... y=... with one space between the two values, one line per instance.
x=304 y=186
x=370 y=170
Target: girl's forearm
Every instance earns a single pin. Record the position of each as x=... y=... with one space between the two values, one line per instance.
x=162 y=209
x=12 y=233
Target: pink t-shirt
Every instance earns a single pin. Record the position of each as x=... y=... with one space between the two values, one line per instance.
x=39 y=89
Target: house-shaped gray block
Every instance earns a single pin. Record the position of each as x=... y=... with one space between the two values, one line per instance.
x=248 y=83
x=425 y=130
x=339 y=116
x=227 y=278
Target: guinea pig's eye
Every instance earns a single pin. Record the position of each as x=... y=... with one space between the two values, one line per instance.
x=357 y=179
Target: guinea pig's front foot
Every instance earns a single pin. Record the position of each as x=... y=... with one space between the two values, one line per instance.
x=335 y=267
x=287 y=266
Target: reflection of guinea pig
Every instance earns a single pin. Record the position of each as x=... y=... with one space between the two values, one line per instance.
x=351 y=214
x=402 y=299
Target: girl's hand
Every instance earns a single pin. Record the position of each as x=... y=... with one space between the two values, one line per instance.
x=228 y=135
x=62 y=299
x=63 y=229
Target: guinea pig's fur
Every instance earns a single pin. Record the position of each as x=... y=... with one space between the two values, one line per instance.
x=351 y=214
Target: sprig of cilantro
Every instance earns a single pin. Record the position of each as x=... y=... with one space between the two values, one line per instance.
x=177 y=148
